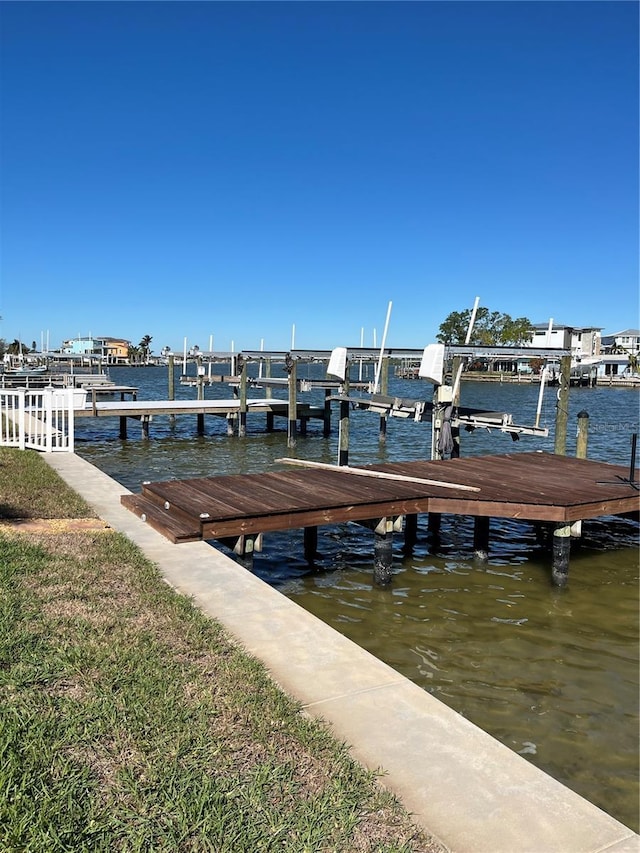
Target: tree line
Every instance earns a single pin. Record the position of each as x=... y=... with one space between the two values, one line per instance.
x=491 y=328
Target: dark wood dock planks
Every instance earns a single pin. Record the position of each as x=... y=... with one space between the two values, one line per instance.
x=531 y=486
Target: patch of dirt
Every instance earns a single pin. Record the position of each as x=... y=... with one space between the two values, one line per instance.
x=53 y=525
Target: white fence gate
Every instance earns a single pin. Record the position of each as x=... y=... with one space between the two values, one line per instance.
x=37 y=419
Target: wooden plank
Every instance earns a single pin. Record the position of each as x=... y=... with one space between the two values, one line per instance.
x=160 y=520
x=216 y=528
x=365 y=472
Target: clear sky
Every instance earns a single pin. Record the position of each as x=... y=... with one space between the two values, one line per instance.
x=236 y=169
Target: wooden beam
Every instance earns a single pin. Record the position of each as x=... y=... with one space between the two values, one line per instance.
x=378 y=475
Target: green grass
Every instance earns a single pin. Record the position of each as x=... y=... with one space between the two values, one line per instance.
x=129 y=721
x=29 y=488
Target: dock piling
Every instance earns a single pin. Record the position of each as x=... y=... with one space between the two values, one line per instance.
x=562 y=406
x=310 y=544
x=343 y=431
x=560 y=554
x=384 y=389
x=242 y=420
x=481 y=537
x=290 y=367
x=583 y=434
x=382 y=557
x=410 y=532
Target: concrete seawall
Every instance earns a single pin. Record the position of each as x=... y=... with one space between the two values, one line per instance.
x=463 y=786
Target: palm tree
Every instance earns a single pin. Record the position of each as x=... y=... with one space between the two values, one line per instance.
x=133 y=354
x=632 y=366
x=16 y=347
x=144 y=346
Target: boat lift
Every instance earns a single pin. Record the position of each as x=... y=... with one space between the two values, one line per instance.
x=422 y=410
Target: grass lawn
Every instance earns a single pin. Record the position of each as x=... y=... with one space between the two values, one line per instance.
x=129 y=721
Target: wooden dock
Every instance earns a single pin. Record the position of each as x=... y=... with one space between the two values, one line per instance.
x=538 y=487
x=232 y=409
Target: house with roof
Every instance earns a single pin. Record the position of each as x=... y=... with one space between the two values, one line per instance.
x=620 y=353
x=627 y=340
x=584 y=341
x=104 y=349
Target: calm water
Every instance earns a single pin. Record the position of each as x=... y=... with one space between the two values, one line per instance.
x=551 y=673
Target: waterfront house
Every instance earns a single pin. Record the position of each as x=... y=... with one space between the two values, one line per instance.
x=107 y=350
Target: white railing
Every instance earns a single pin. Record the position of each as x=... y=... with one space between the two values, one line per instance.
x=38 y=419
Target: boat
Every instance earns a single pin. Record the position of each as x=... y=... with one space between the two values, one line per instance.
x=26 y=370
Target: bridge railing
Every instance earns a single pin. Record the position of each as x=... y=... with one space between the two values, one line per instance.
x=37 y=419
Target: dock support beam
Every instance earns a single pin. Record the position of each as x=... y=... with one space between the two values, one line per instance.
x=583 y=435
x=123 y=427
x=382 y=557
x=326 y=421
x=561 y=553
x=242 y=422
x=562 y=406
x=171 y=385
x=343 y=431
x=434 y=521
x=410 y=532
x=310 y=544
x=292 y=428
x=481 y=537
x=383 y=547
x=384 y=389
x=244 y=547
x=581 y=453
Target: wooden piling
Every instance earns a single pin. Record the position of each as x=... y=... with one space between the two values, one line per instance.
x=560 y=554
x=455 y=431
x=171 y=384
x=326 y=421
x=481 y=537
x=200 y=379
x=242 y=421
x=384 y=389
x=244 y=547
x=310 y=544
x=382 y=555
x=267 y=375
x=410 y=532
x=581 y=453
x=291 y=368
x=434 y=521
x=583 y=434
x=562 y=406
x=343 y=431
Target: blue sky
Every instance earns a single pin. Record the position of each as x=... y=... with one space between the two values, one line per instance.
x=236 y=169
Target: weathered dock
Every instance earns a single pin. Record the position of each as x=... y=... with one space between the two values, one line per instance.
x=233 y=410
x=537 y=487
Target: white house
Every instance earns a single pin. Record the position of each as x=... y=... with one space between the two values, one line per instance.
x=584 y=342
x=628 y=340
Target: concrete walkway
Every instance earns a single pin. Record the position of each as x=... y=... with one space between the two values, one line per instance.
x=463 y=786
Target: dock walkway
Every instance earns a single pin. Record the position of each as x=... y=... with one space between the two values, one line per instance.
x=146 y=410
x=535 y=486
